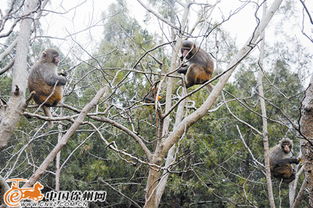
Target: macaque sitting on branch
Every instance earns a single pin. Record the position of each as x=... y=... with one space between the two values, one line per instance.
x=281 y=160
x=200 y=65
x=45 y=85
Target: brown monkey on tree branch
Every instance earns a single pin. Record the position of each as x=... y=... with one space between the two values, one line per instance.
x=280 y=160
x=200 y=65
x=44 y=83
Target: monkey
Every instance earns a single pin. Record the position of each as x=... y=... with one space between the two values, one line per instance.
x=281 y=160
x=200 y=65
x=151 y=97
x=45 y=85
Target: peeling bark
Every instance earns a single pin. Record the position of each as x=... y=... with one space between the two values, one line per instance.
x=16 y=103
x=306 y=127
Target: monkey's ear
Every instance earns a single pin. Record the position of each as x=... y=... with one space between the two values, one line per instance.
x=44 y=54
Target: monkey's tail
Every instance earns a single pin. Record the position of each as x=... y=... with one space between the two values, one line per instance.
x=47 y=112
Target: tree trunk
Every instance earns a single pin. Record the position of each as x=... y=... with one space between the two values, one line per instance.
x=264 y=118
x=170 y=158
x=293 y=185
x=16 y=103
x=306 y=127
x=58 y=160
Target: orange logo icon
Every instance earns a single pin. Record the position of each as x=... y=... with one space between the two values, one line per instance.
x=15 y=194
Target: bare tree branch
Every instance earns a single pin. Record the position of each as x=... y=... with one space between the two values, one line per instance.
x=78 y=121
x=157 y=15
x=8 y=50
x=7 y=67
x=247 y=147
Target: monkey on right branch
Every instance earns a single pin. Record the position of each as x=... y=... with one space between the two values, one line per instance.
x=281 y=160
x=200 y=65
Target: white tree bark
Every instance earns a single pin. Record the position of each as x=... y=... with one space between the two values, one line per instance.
x=306 y=127
x=264 y=118
x=58 y=159
x=16 y=103
x=170 y=158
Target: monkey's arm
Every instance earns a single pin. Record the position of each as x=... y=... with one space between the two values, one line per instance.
x=285 y=161
x=183 y=69
x=60 y=80
x=52 y=78
x=183 y=66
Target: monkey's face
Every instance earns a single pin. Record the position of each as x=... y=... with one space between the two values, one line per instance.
x=286 y=147
x=186 y=53
x=51 y=56
x=56 y=59
x=187 y=49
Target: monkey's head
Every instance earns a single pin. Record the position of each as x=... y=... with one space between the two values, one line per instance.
x=187 y=49
x=286 y=145
x=50 y=56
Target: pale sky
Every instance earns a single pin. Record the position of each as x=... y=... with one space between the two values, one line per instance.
x=90 y=12
x=240 y=26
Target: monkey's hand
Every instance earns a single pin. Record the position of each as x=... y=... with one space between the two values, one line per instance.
x=295 y=160
x=63 y=73
x=300 y=160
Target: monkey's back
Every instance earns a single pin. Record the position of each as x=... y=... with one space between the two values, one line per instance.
x=43 y=93
x=201 y=68
x=204 y=60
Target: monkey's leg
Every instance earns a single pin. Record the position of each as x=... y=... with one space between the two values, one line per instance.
x=191 y=75
x=282 y=171
x=290 y=179
x=47 y=112
x=197 y=74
